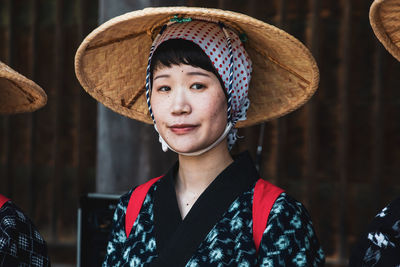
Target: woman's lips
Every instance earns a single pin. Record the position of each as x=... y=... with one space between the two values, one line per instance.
x=180 y=129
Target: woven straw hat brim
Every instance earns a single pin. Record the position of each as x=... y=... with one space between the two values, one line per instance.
x=385 y=21
x=18 y=94
x=111 y=63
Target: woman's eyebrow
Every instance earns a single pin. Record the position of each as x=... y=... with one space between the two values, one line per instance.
x=161 y=76
x=198 y=73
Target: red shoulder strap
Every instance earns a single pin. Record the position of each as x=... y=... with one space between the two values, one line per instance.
x=3 y=200
x=264 y=198
x=135 y=203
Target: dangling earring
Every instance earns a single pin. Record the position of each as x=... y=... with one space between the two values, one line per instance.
x=164 y=145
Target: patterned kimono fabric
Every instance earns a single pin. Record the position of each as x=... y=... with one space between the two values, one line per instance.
x=20 y=243
x=380 y=245
x=218 y=229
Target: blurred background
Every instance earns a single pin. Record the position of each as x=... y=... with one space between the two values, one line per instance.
x=338 y=154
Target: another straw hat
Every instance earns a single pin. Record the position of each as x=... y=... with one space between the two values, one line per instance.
x=111 y=62
x=384 y=16
x=17 y=93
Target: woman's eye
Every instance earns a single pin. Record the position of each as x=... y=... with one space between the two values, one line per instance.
x=197 y=86
x=164 y=88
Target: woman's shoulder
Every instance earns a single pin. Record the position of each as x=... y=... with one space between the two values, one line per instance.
x=289 y=236
x=10 y=214
x=13 y=217
x=17 y=230
x=287 y=206
x=125 y=198
x=289 y=214
x=284 y=205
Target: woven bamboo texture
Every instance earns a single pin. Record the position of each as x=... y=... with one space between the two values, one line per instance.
x=17 y=93
x=111 y=63
x=337 y=154
x=385 y=21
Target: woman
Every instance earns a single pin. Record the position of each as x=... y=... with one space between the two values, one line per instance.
x=201 y=212
x=20 y=242
x=380 y=244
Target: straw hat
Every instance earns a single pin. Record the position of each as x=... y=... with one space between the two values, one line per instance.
x=111 y=62
x=384 y=16
x=17 y=93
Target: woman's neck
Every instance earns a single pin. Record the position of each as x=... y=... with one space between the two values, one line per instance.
x=196 y=173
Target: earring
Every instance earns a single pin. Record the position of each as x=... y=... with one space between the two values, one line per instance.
x=164 y=145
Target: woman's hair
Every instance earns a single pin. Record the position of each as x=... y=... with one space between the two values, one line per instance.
x=179 y=51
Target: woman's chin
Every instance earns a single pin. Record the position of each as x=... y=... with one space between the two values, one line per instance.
x=189 y=144
x=187 y=148
x=181 y=149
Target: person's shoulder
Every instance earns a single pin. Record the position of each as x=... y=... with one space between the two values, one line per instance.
x=289 y=217
x=10 y=208
x=289 y=238
x=10 y=214
x=125 y=198
x=14 y=222
x=8 y=219
x=286 y=206
x=387 y=219
x=393 y=208
x=378 y=245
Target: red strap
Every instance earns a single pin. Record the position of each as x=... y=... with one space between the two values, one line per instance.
x=3 y=200
x=264 y=198
x=135 y=203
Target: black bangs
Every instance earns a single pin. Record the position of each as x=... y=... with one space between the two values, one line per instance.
x=179 y=51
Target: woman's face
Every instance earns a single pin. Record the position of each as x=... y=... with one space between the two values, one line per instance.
x=189 y=106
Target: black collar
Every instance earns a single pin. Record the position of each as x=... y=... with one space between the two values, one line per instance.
x=178 y=239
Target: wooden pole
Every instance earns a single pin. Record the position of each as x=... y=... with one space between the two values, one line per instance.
x=128 y=152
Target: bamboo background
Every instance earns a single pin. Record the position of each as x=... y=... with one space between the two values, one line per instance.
x=338 y=154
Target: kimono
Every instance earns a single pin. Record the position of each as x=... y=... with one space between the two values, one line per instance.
x=380 y=245
x=217 y=231
x=20 y=243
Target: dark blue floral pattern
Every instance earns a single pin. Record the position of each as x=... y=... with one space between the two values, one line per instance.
x=140 y=247
x=288 y=240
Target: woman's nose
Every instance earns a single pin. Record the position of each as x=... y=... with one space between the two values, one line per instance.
x=180 y=102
